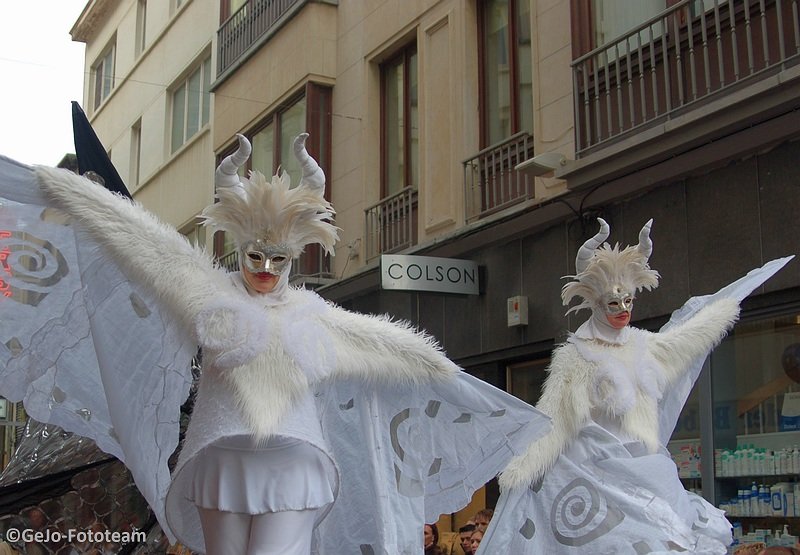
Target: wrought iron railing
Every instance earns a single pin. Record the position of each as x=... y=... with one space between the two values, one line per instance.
x=245 y=26
x=689 y=53
x=490 y=181
x=392 y=223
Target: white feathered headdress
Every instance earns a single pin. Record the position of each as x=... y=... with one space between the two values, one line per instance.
x=602 y=270
x=271 y=211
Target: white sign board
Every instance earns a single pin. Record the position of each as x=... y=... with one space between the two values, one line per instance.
x=428 y=273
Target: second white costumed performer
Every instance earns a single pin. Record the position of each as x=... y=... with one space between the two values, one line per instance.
x=601 y=481
x=314 y=429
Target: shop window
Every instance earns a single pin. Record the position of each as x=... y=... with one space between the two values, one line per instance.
x=754 y=403
x=526 y=379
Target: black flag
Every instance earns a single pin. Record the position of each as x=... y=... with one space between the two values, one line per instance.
x=92 y=156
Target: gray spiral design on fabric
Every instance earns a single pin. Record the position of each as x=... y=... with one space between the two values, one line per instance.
x=28 y=267
x=581 y=514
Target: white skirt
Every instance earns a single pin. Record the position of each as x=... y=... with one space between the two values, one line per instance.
x=285 y=474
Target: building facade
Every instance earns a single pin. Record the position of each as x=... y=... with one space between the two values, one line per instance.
x=435 y=122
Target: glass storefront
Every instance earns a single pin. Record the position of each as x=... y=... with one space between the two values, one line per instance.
x=754 y=427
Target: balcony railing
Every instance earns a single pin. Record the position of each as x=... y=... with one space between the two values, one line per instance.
x=490 y=182
x=688 y=54
x=392 y=223
x=244 y=27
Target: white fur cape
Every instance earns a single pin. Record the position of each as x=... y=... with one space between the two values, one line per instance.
x=601 y=480
x=626 y=381
x=102 y=346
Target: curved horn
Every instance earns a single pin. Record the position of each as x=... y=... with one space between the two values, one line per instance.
x=227 y=172
x=313 y=176
x=586 y=251
x=645 y=245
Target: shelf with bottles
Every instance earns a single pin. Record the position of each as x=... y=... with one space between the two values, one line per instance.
x=760 y=455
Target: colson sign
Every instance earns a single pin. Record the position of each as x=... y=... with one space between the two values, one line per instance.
x=427 y=273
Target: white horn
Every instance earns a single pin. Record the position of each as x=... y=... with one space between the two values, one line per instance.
x=313 y=176
x=227 y=172
x=645 y=245
x=586 y=251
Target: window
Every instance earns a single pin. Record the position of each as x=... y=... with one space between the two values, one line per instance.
x=272 y=141
x=505 y=68
x=613 y=18
x=229 y=7
x=272 y=144
x=141 y=26
x=103 y=72
x=391 y=225
x=400 y=122
x=190 y=105
x=136 y=152
x=196 y=234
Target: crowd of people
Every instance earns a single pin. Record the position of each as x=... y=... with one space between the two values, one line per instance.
x=463 y=542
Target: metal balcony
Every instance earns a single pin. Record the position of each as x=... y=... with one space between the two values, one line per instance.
x=391 y=224
x=691 y=53
x=490 y=181
x=247 y=25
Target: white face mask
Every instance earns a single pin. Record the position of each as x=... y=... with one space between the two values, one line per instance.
x=617 y=301
x=259 y=257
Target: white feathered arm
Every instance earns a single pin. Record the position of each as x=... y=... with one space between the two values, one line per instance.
x=153 y=255
x=565 y=399
x=376 y=348
x=678 y=347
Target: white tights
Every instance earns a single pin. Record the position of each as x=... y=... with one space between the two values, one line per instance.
x=282 y=533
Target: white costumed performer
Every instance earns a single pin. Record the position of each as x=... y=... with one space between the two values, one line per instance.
x=601 y=481
x=314 y=430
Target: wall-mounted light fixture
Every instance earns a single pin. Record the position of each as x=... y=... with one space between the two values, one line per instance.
x=543 y=164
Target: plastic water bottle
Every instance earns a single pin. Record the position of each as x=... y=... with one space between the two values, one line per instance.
x=764 y=501
x=755 y=506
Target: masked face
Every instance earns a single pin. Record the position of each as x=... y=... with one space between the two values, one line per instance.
x=259 y=258
x=618 y=304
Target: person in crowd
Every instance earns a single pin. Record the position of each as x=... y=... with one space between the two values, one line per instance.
x=475 y=540
x=482 y=519
x=464 y=535
x=294 y=394
x=430 y=540
x=601 y=480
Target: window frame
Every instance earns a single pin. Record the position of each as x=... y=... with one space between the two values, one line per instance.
x=136 y=153
x=403 y=56
x=204 y=109
x=318 y=109
x=101 y=73
x=513 y=73
x=141 y=27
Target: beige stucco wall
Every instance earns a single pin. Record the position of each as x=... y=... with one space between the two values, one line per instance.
x=174 y=186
